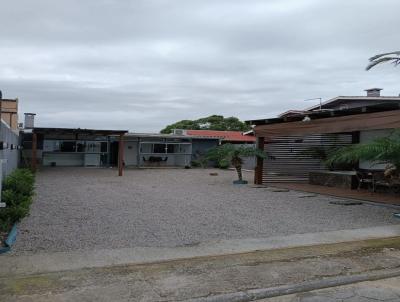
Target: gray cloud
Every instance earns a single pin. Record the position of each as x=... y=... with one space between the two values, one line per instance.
x=142 y=64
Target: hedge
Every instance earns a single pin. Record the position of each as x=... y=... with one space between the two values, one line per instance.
x=17 y=193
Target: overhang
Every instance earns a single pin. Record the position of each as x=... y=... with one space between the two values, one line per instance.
x=72 y=131
x=337 y=121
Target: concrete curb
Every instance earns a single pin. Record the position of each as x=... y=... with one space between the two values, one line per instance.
x=33 y=263
x=12 y=236
x=263 y=293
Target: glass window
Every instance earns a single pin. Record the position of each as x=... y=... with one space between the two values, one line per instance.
x=172 y=148
x=80 y=146
x=93 y=146
x=159 y=148
x=67 y=146
x=103 y=147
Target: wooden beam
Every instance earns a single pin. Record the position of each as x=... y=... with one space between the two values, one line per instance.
x=34 y=152
x=349 y=123
x=258 y=173
x=121 y=155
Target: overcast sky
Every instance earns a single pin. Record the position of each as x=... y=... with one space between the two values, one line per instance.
x=141 y=65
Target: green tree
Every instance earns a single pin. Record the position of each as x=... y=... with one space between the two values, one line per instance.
x=393 y=57
x=381 y=150
x=212 y=122
x=233 y=154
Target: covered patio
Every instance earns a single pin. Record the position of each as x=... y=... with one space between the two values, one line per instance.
x=146 y=150
x=73 y=147
x=288 y=141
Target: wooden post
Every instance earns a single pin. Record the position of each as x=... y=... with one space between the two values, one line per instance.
x=34 y=149
x=258 y=173
x=121 y=155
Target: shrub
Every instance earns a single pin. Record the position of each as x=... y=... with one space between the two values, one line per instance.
x=20 y=181
x=195 y=163
x=223 y=164
x=18 y=188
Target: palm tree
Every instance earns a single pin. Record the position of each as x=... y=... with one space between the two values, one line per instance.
x=381 y=150
x=393 y=57
x=233 y=154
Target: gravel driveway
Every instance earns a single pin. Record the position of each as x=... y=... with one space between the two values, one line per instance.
x=87 y=208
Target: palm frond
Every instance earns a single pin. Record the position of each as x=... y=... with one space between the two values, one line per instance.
x=393 y=57
x=383 y=150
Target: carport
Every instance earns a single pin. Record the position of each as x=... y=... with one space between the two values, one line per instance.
x=74 y=147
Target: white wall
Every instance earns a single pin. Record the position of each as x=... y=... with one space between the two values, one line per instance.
x=367 y=136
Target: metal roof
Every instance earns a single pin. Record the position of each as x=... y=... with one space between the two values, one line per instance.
x=356 y=98
x=43 y=130
x=161 y=135
x=327 y=113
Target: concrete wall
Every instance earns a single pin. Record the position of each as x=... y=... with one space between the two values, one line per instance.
x=201 y=146
x=249 y=163
x=368 y=136
x=10 y=152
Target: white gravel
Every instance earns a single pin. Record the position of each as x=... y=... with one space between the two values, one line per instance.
x=87 y=208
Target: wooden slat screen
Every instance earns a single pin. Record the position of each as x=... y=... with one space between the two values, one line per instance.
x=287 y=161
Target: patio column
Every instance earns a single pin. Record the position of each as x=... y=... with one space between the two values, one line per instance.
x=259 y=163
x=34 y=152
x=121 y=155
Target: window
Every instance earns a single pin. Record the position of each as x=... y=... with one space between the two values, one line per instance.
x=67 y=146
x=103 y=147
x=159 y=148
x=80 y=146
x=171 y=148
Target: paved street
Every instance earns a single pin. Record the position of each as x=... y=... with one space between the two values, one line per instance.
x=371 y=291
x=204 y=277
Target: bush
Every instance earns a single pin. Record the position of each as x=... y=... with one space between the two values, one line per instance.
x=223 y=164
x=18 y=188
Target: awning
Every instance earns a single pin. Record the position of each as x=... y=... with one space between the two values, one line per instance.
x=335 y=124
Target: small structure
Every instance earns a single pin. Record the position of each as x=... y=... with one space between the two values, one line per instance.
x=338 y=122
x=232 y=137
x=9 y=135
x=73 y=147
x=164 y=150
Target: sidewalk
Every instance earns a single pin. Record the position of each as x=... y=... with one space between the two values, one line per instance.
x=370 y=291
x=209 y=278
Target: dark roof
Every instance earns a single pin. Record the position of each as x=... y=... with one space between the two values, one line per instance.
x=327 y=113
x=41 y=130
x=349 y=99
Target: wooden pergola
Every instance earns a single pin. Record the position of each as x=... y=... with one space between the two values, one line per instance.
x=374 y=117
x=77 y=133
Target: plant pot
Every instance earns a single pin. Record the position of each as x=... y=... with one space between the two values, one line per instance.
x=240 y=182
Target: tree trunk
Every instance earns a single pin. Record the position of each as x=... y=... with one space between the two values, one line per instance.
x=239 y=172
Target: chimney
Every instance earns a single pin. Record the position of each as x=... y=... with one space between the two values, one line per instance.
x=29 y=120
x=375 y=92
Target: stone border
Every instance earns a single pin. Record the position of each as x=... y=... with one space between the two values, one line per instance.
x=12 y=236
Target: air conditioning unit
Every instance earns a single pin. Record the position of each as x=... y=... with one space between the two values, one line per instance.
x=179 y=132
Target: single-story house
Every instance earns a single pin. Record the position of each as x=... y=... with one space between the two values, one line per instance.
x=338 y=122
x=164 y=150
